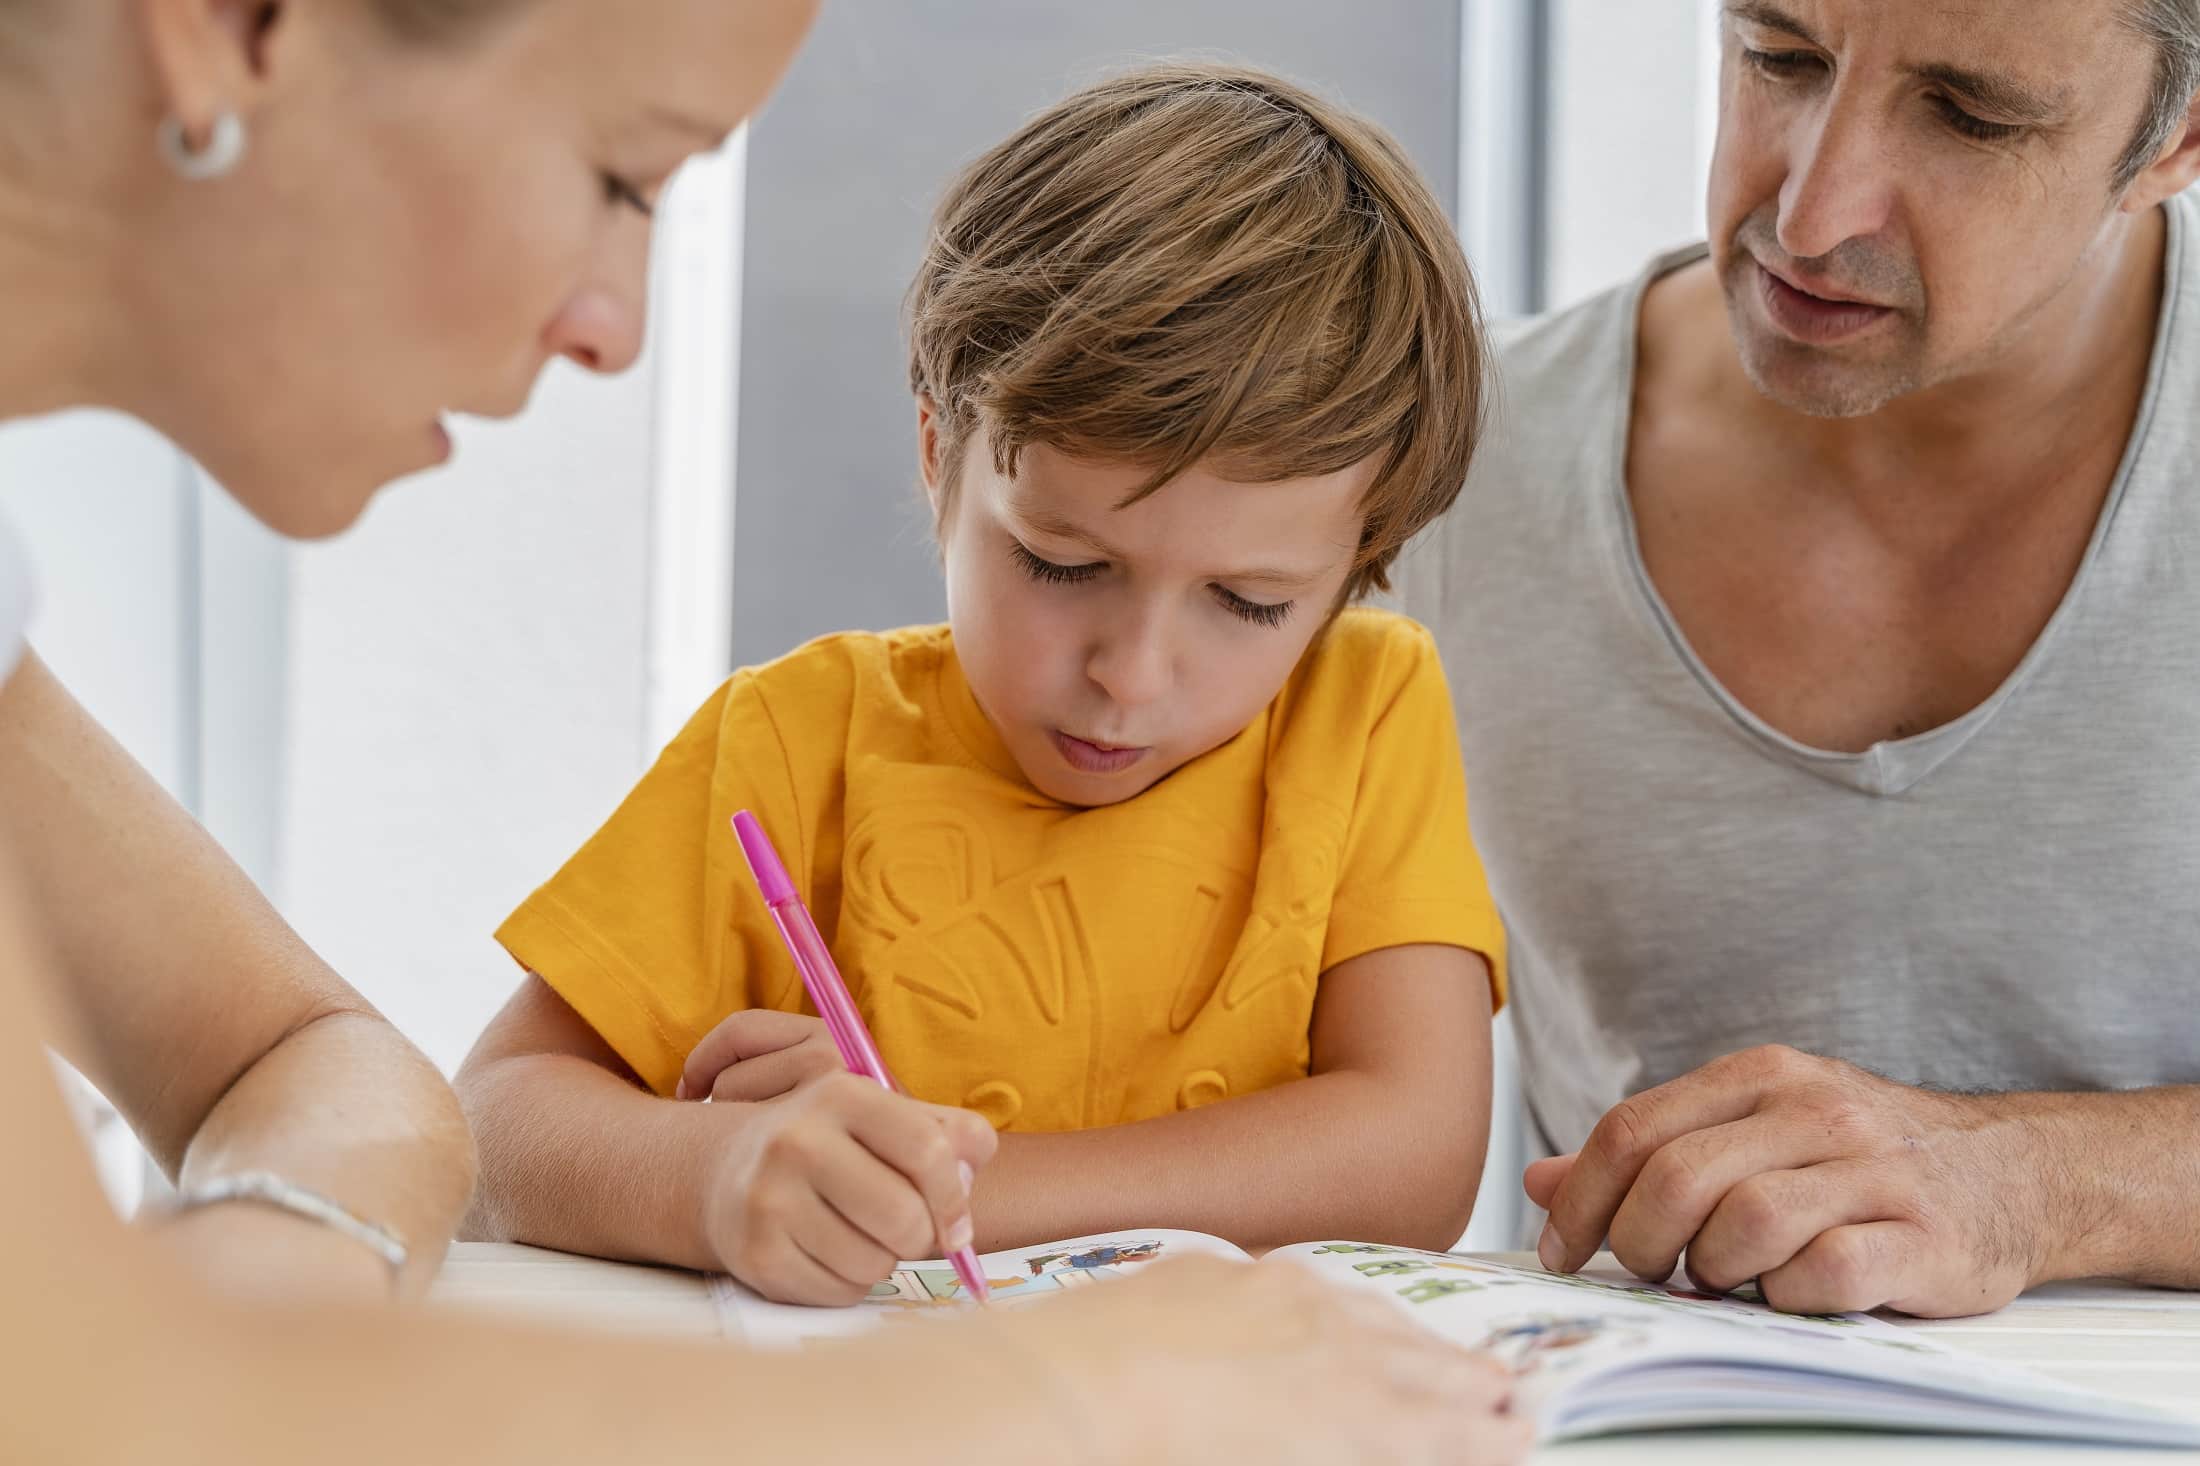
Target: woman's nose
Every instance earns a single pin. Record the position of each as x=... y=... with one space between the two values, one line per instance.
x=599 y=330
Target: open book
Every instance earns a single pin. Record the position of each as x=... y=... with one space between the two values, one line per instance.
x=1596 y=1354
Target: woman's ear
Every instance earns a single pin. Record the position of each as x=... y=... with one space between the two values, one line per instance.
x=209 y=57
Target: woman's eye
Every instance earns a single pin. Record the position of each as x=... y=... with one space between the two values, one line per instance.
x=617 y=190
x=1048 y=571
x=1259 y=613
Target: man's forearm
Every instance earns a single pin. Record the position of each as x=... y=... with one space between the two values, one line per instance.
x=1342 y=1154
x=347 y=1107
x=2120 y=1175
x=575 y=1157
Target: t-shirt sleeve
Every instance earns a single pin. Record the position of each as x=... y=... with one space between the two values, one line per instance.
x=1410 y=874
x=653 y=930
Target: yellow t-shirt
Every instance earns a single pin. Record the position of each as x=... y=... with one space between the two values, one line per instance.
x=1053 y=968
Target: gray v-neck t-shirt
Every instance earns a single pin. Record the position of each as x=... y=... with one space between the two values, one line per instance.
x=2011 y=900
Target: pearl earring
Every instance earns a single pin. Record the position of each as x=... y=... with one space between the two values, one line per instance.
x=224 y=146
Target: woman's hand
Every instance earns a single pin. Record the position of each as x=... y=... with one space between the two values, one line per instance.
x=1201 y=1359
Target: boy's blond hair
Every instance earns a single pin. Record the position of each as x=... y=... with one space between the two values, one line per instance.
x=1193 y=261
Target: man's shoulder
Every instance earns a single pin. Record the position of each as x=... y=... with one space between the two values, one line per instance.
x=1550 y=350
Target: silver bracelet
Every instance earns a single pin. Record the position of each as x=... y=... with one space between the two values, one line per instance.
x=269 y=1189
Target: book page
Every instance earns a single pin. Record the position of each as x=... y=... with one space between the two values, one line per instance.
x=1532 y=1317
x=1017 y=1277
x=1604 y=1350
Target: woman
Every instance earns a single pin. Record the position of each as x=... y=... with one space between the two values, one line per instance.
x=291 y=234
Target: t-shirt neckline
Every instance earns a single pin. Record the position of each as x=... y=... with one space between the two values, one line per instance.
x=1891 y=766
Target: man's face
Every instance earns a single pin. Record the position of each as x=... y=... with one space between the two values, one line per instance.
x=1902 y=186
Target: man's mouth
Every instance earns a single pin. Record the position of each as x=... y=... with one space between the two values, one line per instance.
x=1808 y=316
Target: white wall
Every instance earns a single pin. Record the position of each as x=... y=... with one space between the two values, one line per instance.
x=1625 y=153
x=108 y=514
x=466 y=676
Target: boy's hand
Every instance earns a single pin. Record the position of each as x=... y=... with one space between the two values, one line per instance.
x=818 y=1193
x=758 y=1054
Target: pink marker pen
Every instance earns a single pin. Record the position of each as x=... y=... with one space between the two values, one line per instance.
x=821 y=979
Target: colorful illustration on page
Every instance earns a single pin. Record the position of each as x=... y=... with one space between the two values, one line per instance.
x=1042 y=1273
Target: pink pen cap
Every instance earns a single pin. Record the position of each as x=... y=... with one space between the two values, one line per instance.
x=764 y=864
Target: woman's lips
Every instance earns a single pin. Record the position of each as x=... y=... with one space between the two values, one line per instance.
x=1095 y=758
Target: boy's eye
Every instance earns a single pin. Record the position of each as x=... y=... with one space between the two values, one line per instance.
x=1260 y=613
x=617 y=190
x=1047 y=570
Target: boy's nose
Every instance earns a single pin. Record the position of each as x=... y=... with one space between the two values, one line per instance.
x=1131 y=665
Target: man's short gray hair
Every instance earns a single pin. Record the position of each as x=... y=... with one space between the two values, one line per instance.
x=2174 y=28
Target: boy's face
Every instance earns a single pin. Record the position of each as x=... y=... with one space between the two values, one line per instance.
x=1108 y=645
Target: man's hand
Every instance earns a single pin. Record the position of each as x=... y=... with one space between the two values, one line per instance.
x=1834 y=1188
x=758 y=1054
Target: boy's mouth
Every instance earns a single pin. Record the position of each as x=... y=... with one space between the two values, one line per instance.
x=1088 y=757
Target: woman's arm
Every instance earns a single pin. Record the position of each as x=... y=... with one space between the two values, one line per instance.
x=1382 y=1142
x=221 y=1038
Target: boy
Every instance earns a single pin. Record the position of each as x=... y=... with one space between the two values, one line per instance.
x=1151 y=867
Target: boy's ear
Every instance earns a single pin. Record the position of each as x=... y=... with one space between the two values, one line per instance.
x=928 y=450
x=208 y=56
x=2175 y=170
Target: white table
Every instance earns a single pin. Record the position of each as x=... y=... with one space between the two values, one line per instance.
x=2139 y=1343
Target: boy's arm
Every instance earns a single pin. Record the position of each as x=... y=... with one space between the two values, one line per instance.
x=1382 y=1142
x=576 y=1153
x=810 y=1197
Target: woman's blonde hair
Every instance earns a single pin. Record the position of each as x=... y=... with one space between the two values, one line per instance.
x=1193 y=261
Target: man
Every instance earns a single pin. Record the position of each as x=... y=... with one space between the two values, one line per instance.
x=1845 y=699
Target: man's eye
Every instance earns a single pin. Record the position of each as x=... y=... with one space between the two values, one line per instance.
x=1975 y=127
x=1782 y=64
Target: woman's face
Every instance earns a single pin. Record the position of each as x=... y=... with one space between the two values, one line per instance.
x=418 y=227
